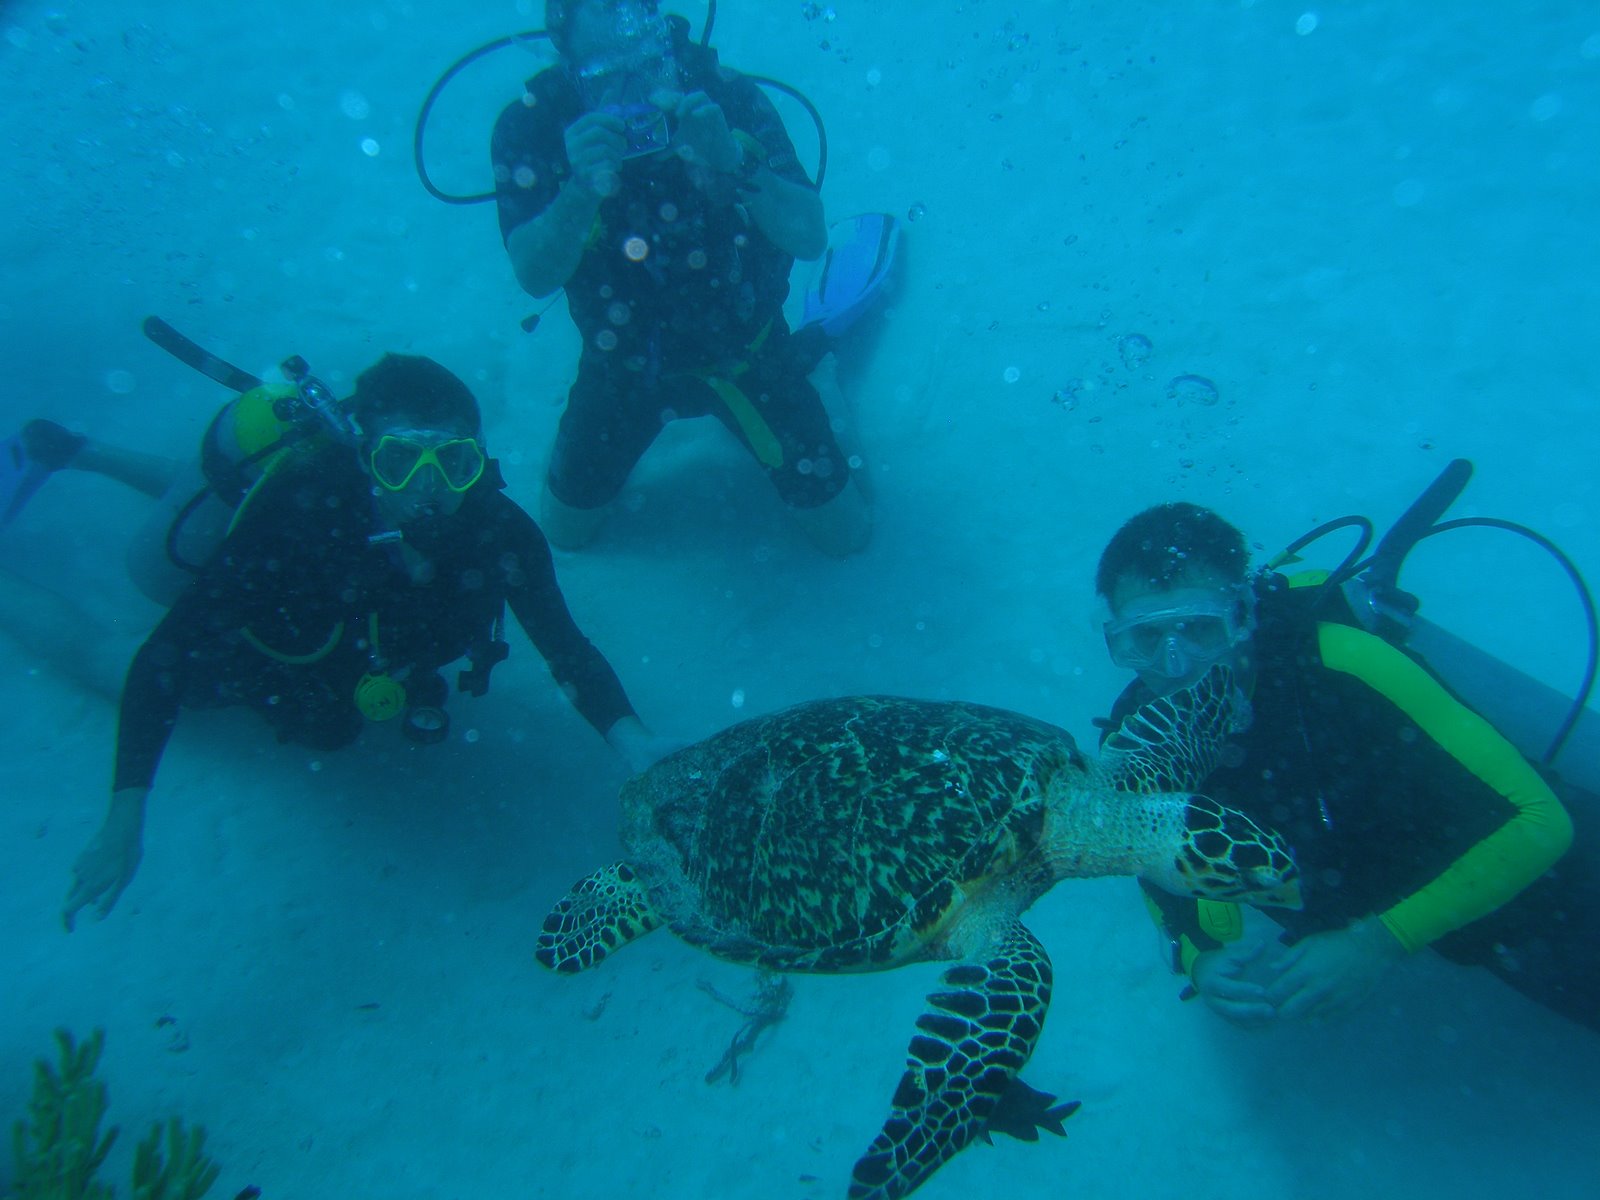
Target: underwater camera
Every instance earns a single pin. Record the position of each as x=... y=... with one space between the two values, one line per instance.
x=646 y=126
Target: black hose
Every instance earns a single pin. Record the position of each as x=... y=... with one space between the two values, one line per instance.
x=1346 y=568
x=531 y=35
x=811 y=111
x=450 y=72
x=1585 y=598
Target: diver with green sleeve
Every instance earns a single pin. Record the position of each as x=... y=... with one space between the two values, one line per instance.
x=1415 y=823
x=353 y=571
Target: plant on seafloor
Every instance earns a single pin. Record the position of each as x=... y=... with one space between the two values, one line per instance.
x=59 y=1148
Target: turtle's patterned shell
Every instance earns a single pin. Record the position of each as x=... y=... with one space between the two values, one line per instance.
x=841 y=834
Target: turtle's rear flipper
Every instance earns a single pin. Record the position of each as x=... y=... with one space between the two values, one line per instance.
x=602 y=911
x=1023 y=1111
x=968 y=1049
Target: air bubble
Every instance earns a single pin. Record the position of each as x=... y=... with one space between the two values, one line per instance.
x=120 y=382
x=1192 y=389
x=917 y=211
x=1135 y=350
x=1070 y=394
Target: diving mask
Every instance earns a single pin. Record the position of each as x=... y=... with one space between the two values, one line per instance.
x=396 y=458
x=1181 y=633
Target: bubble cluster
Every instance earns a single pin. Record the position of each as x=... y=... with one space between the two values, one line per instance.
x=1192 y=389
x=1134 y=349
x=1070 y=394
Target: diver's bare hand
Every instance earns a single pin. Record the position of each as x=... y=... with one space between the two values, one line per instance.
x=703 y=138
x=1223 y=979
x=108 y=863
x=596 y=144
x=1330 y=973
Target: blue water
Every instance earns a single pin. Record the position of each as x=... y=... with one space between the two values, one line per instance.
x=1367 y=227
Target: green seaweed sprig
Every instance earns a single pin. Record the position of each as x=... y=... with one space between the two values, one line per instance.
x=59 y=1148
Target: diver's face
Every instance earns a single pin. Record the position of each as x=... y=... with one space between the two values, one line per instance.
x=1172 y=636
x=420 y=473
x=609 y=37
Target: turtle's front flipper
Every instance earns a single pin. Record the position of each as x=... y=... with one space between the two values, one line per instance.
x=601 y=912
x=1171 y=744
x=979 y=1032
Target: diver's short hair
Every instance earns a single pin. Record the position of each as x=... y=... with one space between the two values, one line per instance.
x=416 y=388
x=1163 y=544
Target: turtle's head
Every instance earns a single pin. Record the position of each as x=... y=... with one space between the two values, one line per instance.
x=1224 y=855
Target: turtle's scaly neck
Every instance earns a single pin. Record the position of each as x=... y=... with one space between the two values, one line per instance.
x=1094 y=832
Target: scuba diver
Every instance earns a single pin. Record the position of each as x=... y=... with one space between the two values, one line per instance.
x=371 y=547
x=1414 y=821
x=662 y=192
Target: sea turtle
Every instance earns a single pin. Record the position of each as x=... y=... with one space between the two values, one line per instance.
x=864 y=833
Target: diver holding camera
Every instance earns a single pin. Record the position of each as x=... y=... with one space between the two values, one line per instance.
x=661 y=191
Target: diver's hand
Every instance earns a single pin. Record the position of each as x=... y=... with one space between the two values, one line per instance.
x=704 y=139
x=108 y=863
x=596 y=143
x=1330 y=973
x=1220 y=978
x=637 y=746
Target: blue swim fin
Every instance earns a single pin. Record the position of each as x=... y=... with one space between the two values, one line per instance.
x=28 y=458
x=859 y=259
x=20 y=478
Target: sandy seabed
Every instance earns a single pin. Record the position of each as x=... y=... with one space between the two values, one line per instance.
x=1368 y=225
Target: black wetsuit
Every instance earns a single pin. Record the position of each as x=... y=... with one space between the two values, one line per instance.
x=1397 y=801
x=678 y=295
x=283 y=617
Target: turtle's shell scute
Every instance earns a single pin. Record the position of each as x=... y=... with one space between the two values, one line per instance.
x=841 y=834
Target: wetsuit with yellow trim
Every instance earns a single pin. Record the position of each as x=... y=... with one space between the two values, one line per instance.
x=679 y=297
x=298 y=606
x=1399 y=801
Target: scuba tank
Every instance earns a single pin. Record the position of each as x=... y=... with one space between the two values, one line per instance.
x=1558 y=732
x=247 y=438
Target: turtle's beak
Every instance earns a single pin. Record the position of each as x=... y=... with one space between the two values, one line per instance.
x=1274 y=889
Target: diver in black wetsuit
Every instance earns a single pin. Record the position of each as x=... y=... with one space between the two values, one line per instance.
x=349 y=580
x=659 y=189
x=1413 y=821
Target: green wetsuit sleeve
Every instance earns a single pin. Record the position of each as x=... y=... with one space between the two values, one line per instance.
x=1497 y=867
x=1191 y=926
